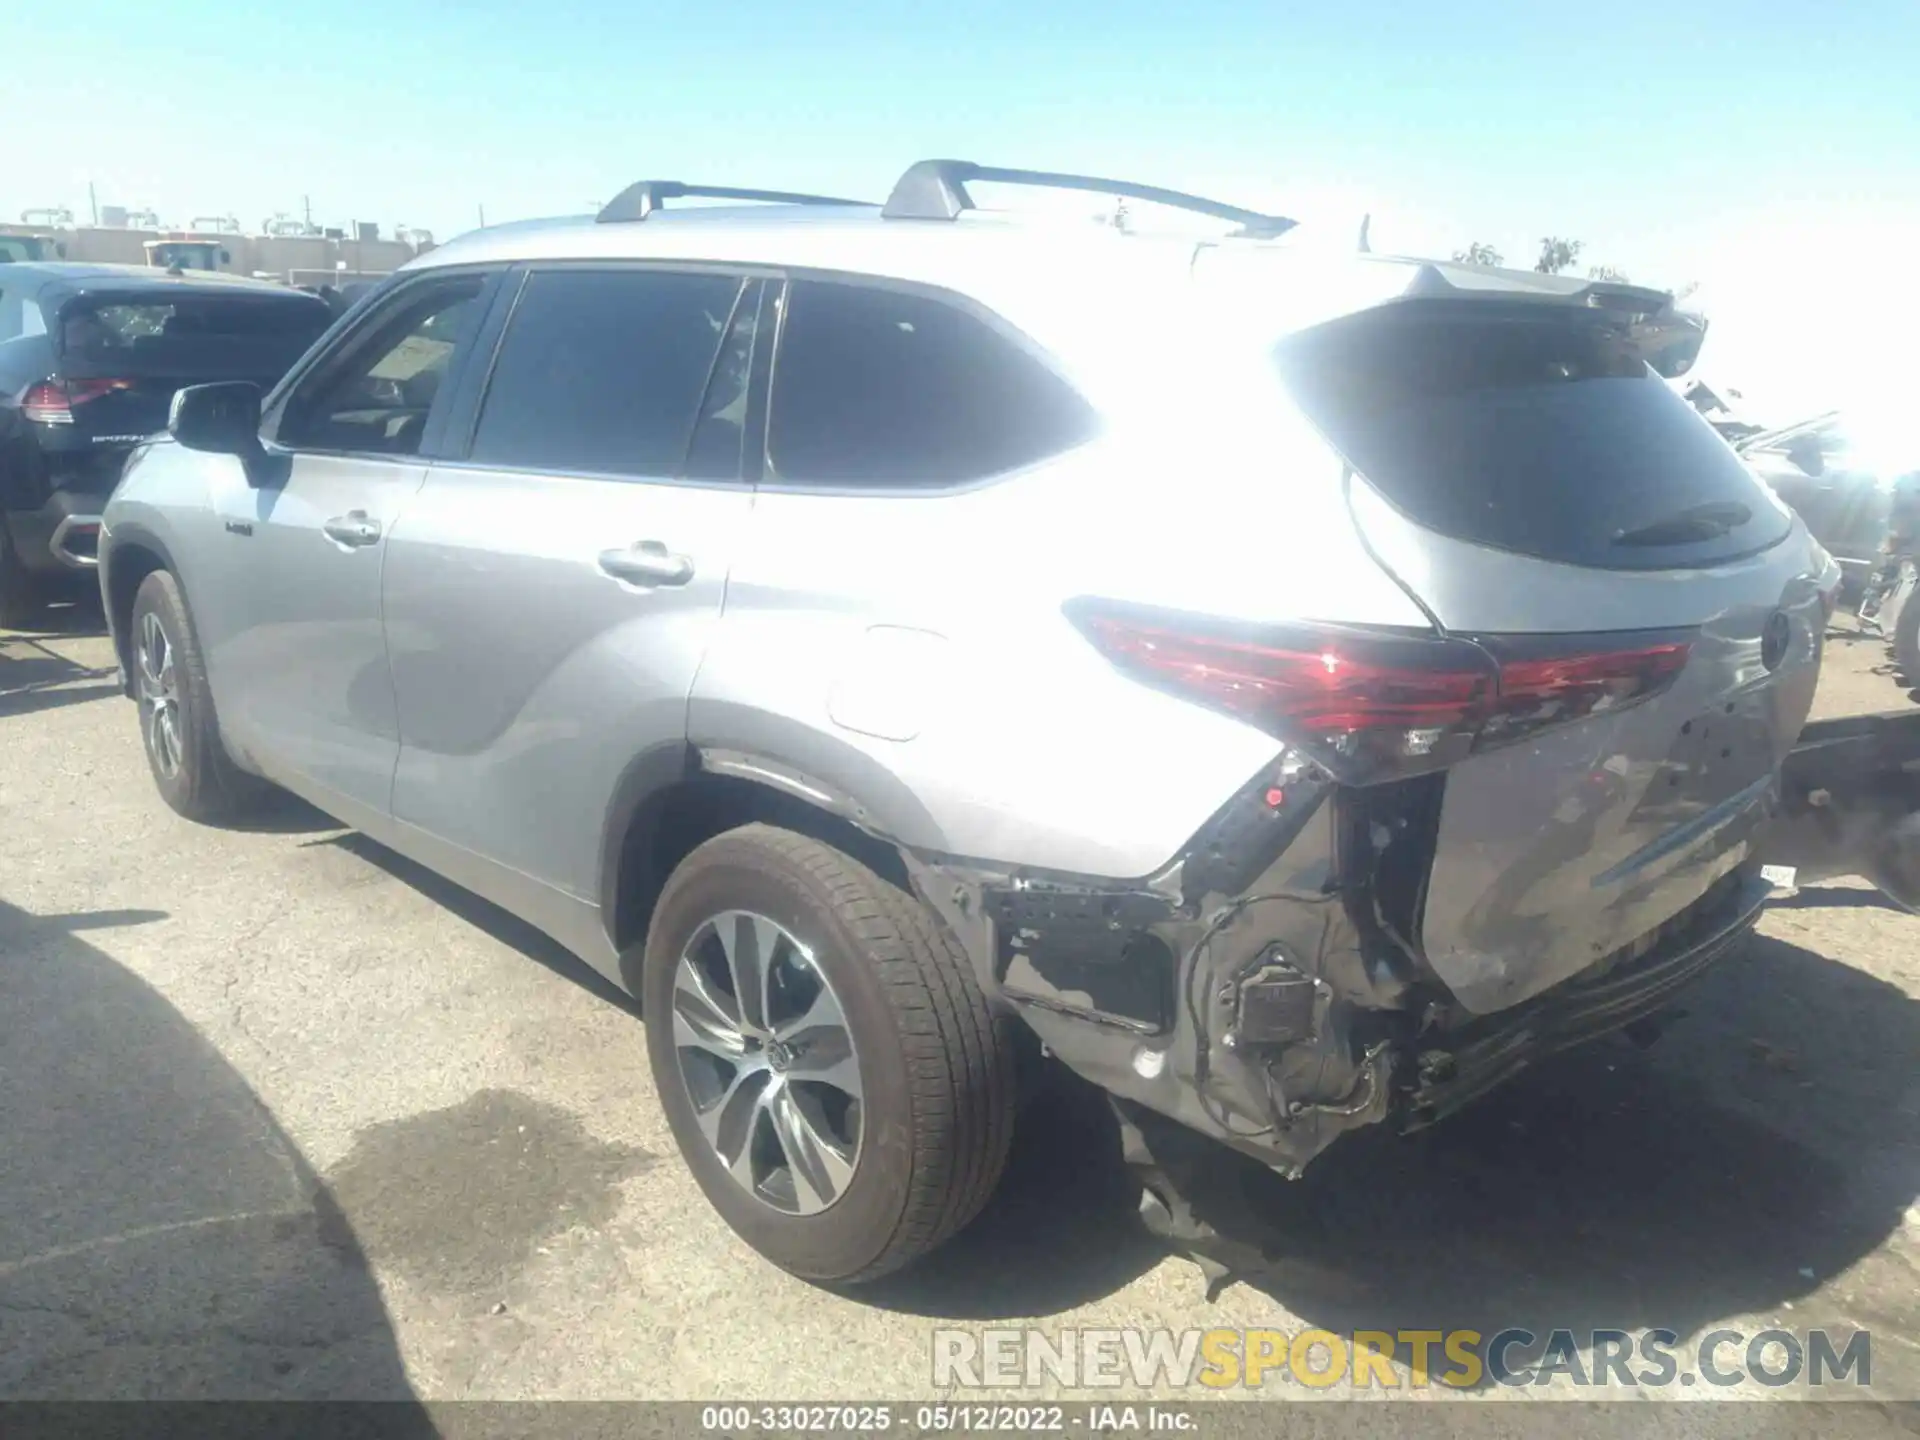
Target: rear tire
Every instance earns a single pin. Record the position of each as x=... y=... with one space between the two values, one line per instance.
x=178 y=729
x=919 y=1149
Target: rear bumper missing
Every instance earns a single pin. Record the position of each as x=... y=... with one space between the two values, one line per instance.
x=1274 y=1007
x=1484 y=1053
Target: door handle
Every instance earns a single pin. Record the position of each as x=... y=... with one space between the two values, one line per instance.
x=647 y=563
x=353 y=529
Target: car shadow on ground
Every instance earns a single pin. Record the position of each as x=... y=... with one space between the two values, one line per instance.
x=34 y=677
x=67 y=618
x=283 y=813
x=1769 y=1141
x=483 y=915
x=160 y=1236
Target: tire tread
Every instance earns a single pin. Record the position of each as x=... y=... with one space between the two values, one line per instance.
x=959 y=1052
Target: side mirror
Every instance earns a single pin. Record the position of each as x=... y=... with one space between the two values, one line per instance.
x=60 y=248
x=226 y=258
x=223 y=418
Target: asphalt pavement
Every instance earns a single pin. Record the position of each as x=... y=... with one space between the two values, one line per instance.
x=282 y=1114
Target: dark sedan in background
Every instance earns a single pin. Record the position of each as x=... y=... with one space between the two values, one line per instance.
x=1839 y=471
x=90 y=357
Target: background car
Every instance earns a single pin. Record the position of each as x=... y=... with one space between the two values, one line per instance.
x=90 y=358
x=1837 y=470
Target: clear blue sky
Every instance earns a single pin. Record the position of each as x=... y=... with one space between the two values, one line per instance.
x=1663 y=135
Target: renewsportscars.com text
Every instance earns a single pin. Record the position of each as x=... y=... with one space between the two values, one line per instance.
x=1147 y=1359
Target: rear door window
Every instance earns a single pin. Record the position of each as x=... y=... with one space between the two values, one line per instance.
x=1530 y=428
x=883 y=388
x=602 y=371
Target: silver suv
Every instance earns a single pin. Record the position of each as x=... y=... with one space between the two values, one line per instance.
x=1298 y=689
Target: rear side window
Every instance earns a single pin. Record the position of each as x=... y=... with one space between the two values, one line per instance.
x=201 y=337
x=602 y=371
x=892 y=389
x=1530 y=428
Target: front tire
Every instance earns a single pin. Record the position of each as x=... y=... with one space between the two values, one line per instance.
x=855 y=1110
x=190 y=765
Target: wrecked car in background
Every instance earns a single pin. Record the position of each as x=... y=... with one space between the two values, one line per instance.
x=1839 y=472
x=1299 y=698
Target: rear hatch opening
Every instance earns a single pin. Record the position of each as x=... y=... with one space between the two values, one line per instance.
x=1521 y=463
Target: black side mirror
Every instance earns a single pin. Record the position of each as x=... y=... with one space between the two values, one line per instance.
x=223 y=418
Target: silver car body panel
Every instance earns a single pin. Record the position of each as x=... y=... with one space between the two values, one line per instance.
x=527 y=676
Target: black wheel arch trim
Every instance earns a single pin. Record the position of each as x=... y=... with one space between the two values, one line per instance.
x=834 y=778
x=119 y=538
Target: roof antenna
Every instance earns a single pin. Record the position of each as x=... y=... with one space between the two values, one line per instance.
x=1366 y=224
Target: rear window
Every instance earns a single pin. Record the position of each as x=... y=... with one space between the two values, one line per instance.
x=198 y=336
x=883 y=388
x=1533 y=429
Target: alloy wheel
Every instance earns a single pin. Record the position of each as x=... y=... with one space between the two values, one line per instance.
x=768 y=1060
x=159 y=695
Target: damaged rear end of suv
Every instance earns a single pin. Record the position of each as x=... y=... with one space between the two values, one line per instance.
x=1522 y=820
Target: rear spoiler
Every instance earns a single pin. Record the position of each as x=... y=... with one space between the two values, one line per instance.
x=1333 y=287
x=1669 y=337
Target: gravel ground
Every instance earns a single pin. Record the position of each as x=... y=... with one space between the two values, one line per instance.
x=283 y=1115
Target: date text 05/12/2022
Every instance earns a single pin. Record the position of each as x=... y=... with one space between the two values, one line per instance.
x=944 y=1418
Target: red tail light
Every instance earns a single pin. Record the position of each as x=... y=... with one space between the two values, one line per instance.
x=1574 y=680
x=1369 y=703
x=51 y=402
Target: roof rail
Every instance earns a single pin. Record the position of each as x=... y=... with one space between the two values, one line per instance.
x=643 y=197
x=937 y=190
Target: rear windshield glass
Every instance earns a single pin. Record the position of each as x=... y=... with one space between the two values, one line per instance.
x=1533 y=429
x=239 y=337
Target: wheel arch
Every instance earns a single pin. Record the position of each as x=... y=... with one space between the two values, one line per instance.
x=135 y=552
x=671 y=799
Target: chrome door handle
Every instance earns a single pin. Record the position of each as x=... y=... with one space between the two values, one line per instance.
x=647 y=563
x=352 y=529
